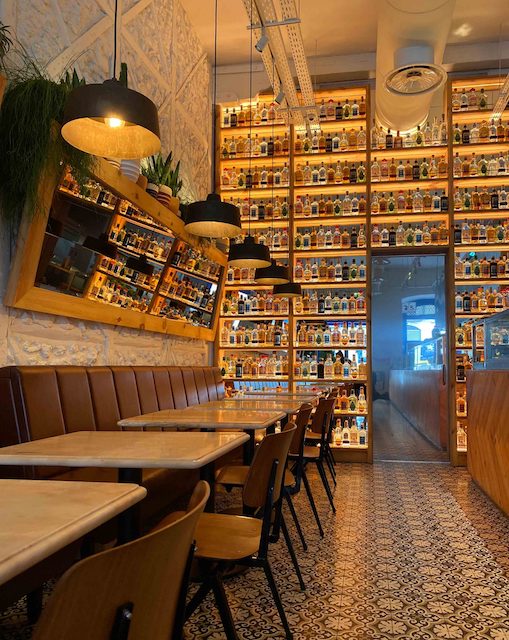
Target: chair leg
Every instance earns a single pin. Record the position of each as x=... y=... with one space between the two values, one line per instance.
x=325 y=482
x=277 y=599
x=224 y=608
x=198 y=597
x=330 y=456
x=291 y=551
x=289 y=502
x=312 y=503
x=331 y=468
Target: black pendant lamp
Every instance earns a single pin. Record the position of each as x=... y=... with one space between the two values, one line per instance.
x=109 y=119
x=100 y=245
x=289 y=290
x=249 y=254
x=273 y=274
x=213 y=218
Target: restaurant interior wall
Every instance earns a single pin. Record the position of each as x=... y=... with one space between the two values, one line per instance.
x=166 y=62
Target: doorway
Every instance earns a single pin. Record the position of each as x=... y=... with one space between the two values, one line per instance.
x=409 y=345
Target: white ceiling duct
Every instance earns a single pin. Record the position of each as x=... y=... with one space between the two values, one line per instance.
x=410 y=49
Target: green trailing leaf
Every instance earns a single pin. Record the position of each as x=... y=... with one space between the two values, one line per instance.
x=5 y=43
x=31 y=146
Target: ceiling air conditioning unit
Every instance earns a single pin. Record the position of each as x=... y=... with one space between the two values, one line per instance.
x=415 y=72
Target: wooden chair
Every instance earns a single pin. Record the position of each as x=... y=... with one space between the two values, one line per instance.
x=134 y=591
x=314 y=438
x=295 y=477
x=321 y=424
x=224 y=540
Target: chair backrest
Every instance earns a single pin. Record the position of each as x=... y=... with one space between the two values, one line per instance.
x=301 y=423
x=322 y=416
x=273 y=447
x=144 y=576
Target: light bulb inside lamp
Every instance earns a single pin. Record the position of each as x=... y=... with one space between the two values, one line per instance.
x=114 y=123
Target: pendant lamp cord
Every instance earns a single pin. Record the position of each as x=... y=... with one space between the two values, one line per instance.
x=214 y=98
x=115 y=20
x=273 y=153
x=250 y=111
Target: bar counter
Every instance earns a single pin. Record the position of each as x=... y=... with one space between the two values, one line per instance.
x=488 y=433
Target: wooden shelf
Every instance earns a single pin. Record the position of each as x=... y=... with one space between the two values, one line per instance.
x=194 y=274
x=268 y=316
x=265 y=347
x=265 y=129
x=476 y=115
x=188 y=303
x=415 y=153
x=480 y=281
x=481 y=148
x=329 y=221
x=460 y=248
x=483 y=214
x=353 y=380
x=333 y=284
x=280 y=223
x=331 y=157
x=81 y=200
x=257 y=194
x=336 y=317
x=261 y=378
x=126 y=280
x=384 y=186
x=473 y=181
x=136 y=252
x=340 y=347
x=337 y=252
x=145 y=225
x=409 y=217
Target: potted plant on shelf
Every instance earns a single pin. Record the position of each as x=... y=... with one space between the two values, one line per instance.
x=31 y=147
x=163 y=180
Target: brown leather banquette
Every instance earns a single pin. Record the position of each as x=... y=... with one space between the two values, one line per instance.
x=44 y=401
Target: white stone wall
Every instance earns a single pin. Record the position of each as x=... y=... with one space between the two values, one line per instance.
x=166 y=62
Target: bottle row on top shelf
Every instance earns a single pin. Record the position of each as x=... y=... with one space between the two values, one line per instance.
x=409 y=202
x=494 y=131
x=334 y=366
x=326 y=270
x=480 y=232
x=92 y=191
x=260 y=114
x=473 y=166
x=472 y=267
x=261 y=334
x=431 y=135
x=344 y=334
x=338 y=110
x=388 y=170
x=317 y=238
x=340 y=173
x=483 y=200
x=464 y=334
x=481 y=301
x=470 y=100
x=409 y=235
x=255 y=178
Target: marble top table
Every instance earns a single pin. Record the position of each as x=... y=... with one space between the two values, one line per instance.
x=130 y=452
x=287 y=405
x=40 y=517
x=205 y=417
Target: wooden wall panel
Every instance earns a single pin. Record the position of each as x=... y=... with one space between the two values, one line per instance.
x=415 y=394
x=488 y=433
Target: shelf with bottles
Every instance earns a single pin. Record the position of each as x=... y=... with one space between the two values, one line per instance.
x=236 y=304
x=321 y=175
x=340 y=237
x=347 y=272
x=482 y=234
x=326 y=145
x=188 y=289
x=250 y=367
x=192 y=262
x=323 y=302
x=479 y=267
x=276 y=239
x=176 y=310
x=483 y=134
x=483 y=167
x=472 y=201
x=256 y=179
x=129 y=212
x=155 y=246
x=314 y=209
x=429 y=174
x=409 y=235
x=259 y=213
x=248 y=114
x=339 y=364
x=330 y=334
x=93 y=193
x=429 y=137
x=247 y=149
x=411 y=203
x=240 y=334
x=350 y=434
x=472 y=299
x=464 y=335
x=331 y=253
x=110 y=290
x=118 y=269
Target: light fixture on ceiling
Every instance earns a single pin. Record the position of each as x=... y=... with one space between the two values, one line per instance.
x=273 y=274
x=289 y=290
x=213 y=218
x=262 y=42
x=140 y=265
x=109 y=119
x=100 y=245
x=249 y=254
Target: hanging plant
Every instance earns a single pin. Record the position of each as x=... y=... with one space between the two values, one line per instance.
x=31 y=147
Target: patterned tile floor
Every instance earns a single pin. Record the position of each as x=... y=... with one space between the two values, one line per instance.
x=396 y=439
x=414 y=552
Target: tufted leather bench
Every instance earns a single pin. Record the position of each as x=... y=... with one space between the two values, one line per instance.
x=44 y=401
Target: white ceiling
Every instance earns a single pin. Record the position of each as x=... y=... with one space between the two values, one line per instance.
x=337 y=27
